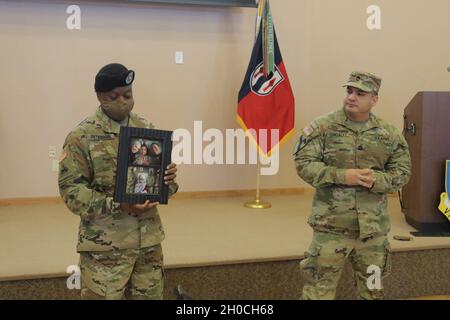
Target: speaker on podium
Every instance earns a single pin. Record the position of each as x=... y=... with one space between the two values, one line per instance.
x=427 y=131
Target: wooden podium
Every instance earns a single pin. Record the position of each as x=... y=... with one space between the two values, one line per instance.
x=427 y=131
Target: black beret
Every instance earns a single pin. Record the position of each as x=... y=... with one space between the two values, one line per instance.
x=111 y=76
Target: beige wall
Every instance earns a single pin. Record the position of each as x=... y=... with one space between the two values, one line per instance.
x=47 y=72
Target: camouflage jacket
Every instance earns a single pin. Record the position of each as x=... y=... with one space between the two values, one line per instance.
x=332 y=144
x=87 y=172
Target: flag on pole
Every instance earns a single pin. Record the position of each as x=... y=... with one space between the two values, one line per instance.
x=266 y=100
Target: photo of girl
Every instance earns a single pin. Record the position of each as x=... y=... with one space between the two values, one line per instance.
x=142 y=180
x=145 y=152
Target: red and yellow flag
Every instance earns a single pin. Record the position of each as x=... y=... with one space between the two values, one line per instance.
x=266 y=100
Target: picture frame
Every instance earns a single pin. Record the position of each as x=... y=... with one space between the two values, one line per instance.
x=143 y=157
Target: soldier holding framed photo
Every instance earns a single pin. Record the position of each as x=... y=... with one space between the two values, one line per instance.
x=119 y=243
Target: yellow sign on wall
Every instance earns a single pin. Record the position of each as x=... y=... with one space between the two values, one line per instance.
x=444 y=206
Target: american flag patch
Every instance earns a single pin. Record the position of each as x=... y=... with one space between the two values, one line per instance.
x=308 y=130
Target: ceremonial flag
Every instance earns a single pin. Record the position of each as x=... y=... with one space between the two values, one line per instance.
x=266 y=100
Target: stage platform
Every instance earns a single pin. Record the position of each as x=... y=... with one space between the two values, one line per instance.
x=214 y=246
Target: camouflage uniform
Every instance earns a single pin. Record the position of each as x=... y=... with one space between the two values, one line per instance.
x=111 y=242
x=349 y=221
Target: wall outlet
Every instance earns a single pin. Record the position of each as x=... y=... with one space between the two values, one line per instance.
x=55 y=165
x=52 y=152
x=179 y=57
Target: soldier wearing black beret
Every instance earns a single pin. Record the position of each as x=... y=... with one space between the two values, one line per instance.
x=119 y=244
x=112 y=81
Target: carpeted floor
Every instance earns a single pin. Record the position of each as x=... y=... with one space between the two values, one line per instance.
x=414 y=274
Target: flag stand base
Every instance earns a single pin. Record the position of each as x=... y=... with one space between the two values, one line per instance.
x=258 y=204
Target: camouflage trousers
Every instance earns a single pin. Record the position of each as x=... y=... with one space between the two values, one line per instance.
x=325 y=259
x=114 y=275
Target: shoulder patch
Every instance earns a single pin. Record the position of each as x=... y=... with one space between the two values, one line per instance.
x=307 y=130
